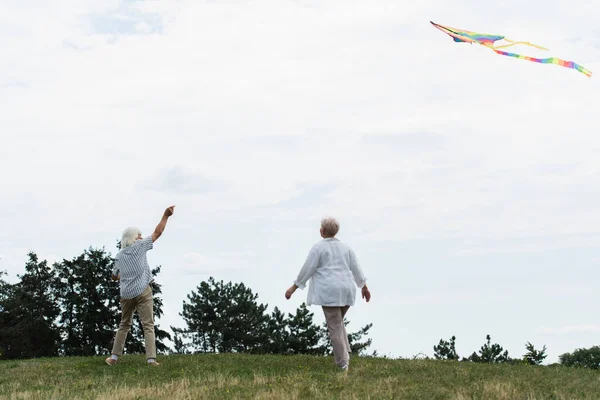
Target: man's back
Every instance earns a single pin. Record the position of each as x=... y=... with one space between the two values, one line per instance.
x=131 y=263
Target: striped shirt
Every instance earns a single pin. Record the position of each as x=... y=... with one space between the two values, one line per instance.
x=132 y=264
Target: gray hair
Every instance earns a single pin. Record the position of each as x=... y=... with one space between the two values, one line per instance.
x=330 y=226
x=129 y=236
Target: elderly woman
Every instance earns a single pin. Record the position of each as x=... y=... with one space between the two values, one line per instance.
x=132 y=270
x=333 y=271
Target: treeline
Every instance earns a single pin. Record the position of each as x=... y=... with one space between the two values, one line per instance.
x=71 y=308
x=495 y=354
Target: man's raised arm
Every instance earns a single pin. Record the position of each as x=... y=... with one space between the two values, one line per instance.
x=162 y=224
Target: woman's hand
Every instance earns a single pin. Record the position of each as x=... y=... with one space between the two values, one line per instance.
x=366 y=294
x=290 y=291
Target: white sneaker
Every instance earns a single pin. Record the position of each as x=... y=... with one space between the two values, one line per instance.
x=344 y=368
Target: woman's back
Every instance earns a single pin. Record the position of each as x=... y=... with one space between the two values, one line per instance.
x=334 y=273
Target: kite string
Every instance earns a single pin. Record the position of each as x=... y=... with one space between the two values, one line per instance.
x=513 y=43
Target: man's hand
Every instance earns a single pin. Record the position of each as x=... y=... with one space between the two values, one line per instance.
x=290 y=291
x=169 y=211
x=366 y=294
x=115 y=278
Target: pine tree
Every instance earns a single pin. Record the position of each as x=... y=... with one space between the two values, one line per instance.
x=224 y=318
x=533 y=356
x=446 y=350
x=29 y=312
x=179 y=344
x=227 y=318
x=305 y=336
x=490 y=353
x=89 y=303
x=6 y=316
x=278 y=337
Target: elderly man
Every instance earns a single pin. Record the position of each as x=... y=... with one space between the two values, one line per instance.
x=334 y=271
x=132 y=270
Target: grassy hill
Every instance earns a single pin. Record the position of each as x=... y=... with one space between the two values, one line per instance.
x=234 y=376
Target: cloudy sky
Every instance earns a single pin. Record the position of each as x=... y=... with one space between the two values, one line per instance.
x=465 y=181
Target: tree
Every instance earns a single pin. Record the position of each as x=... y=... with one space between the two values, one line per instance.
x=89 y=303
x=6 y=317
x=304 y=336
x=227 y=318
x=582 y=358
x=446 y=350
x=490 y=354
x=224 y=318
x=278 y=339
x=5 y=292
x=533 y=356
x=3 y=288
x=179 y=345
x=29 y=311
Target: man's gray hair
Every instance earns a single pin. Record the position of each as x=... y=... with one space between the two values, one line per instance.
x=129 y=236
x=330 y=226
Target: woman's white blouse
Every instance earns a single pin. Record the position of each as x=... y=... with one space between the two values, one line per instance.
x=334 y=274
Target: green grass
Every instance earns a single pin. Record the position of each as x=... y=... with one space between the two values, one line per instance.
x=235 y=376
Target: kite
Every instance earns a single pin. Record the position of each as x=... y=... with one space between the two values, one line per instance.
x=488 y=41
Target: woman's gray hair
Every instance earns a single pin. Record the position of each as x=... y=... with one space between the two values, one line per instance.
x=129 y=236
x=330 y=226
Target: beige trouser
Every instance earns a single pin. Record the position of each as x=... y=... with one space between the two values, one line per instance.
x=145 y=308
x=334 y=317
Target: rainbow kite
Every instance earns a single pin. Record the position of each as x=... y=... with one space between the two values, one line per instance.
x=488 y=41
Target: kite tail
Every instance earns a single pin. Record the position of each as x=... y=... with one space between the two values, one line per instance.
x=513 y=43
x=551 y=60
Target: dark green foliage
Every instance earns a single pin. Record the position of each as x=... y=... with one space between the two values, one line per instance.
x=89 y=303
x=6 y=317
x=29 y=309
x=224 y=318
x=490 y=353
x=227 y=318
x=179 y=345
x=533 y=356
x=446 y=350
x=304 y=335
x=583 y=358
x=278 y=338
